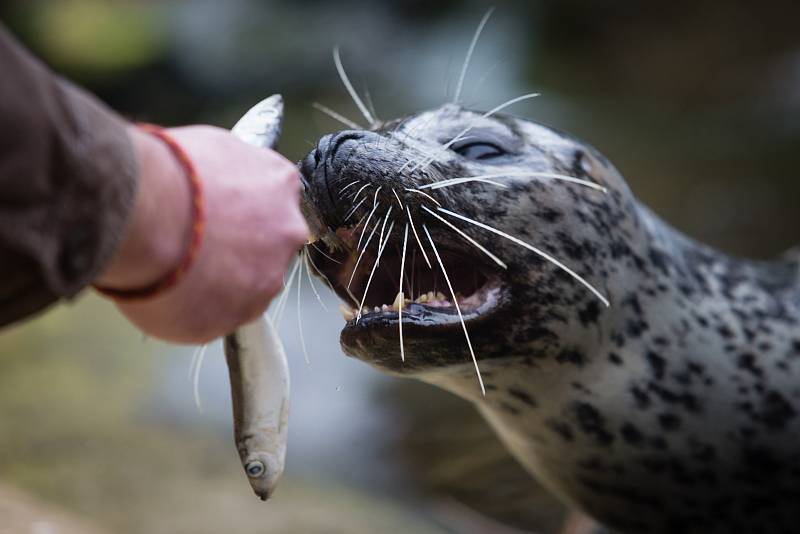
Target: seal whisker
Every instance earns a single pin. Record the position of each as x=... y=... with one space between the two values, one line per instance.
x=307 y=259
x=404 y=165
x=366 y=245
x=355 y=196
x=198 y=364
x=486 y=115
x=483 y=78
x=400 y=295
x=456 y=181
x=381 y=245
x=398 y=198
x=399 y=125
x=458 y=308
x=422 y=153
x=416 y=236
x=427 y=157
x=502 y=106
x=361 y=220
x=407 y=136
x=366 y=224
x=386 y=217
x=346 y=81
x=284 y=296
x=485 y=178
x=352 y=211
x=423 y=193
x=345 y=188
x=193 y=362
x=299 y=317
x=530 y=247
x=358 y=261
x=324 y=254
x=370 y=105
x=440 y=150
x=420 y=125
x=470 y=51
x=322 y=274
x=480 y=247
x=336 y=116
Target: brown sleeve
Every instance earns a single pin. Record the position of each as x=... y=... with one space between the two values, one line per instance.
x=68 y=178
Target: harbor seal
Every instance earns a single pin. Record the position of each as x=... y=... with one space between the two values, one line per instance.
x=672 y=409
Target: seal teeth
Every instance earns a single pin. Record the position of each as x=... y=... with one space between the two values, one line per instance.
x=422 y=299
x=399 y=302
x=347 y=313
x=440 y=296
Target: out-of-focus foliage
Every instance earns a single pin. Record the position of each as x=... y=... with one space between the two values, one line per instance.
x=93 y=36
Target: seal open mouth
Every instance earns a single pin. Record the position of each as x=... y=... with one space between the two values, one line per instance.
x=433 y=210
x=426 y=298
x=374 y=230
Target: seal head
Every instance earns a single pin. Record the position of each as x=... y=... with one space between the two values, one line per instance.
x=674 y=409
x=360 y=179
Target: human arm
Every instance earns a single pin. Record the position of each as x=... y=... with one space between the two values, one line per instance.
x=76 y=160
x=253 y=227
x=68 y=177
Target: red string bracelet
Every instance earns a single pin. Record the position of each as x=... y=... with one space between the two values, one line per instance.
x=171 y=278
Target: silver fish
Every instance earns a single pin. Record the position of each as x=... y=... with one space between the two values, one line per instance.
x=257 y=366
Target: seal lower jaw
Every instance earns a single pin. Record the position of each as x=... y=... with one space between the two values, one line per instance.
x=430 y=310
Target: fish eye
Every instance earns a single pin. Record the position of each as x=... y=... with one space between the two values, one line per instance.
x=478 y=150
x=255 y=469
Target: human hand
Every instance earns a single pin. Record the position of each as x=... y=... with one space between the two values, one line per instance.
x=253 y=228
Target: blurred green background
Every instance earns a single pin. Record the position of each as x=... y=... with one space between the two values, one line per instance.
x=696 y=102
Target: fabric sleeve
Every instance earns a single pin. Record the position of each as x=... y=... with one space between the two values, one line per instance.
x=68 y=179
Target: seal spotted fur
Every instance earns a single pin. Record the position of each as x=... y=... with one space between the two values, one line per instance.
x=673 y=410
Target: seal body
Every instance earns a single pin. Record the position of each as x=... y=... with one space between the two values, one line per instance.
x=675 y=409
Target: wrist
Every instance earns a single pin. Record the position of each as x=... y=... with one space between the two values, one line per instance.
x=160 y=218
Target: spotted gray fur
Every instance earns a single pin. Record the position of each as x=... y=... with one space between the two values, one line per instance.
x=673 y=410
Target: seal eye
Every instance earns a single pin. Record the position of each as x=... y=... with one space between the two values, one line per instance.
x=479 y=150
x=255 y=469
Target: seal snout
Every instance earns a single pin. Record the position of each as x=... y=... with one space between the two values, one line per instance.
x=334 y=150
x=329 y=168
